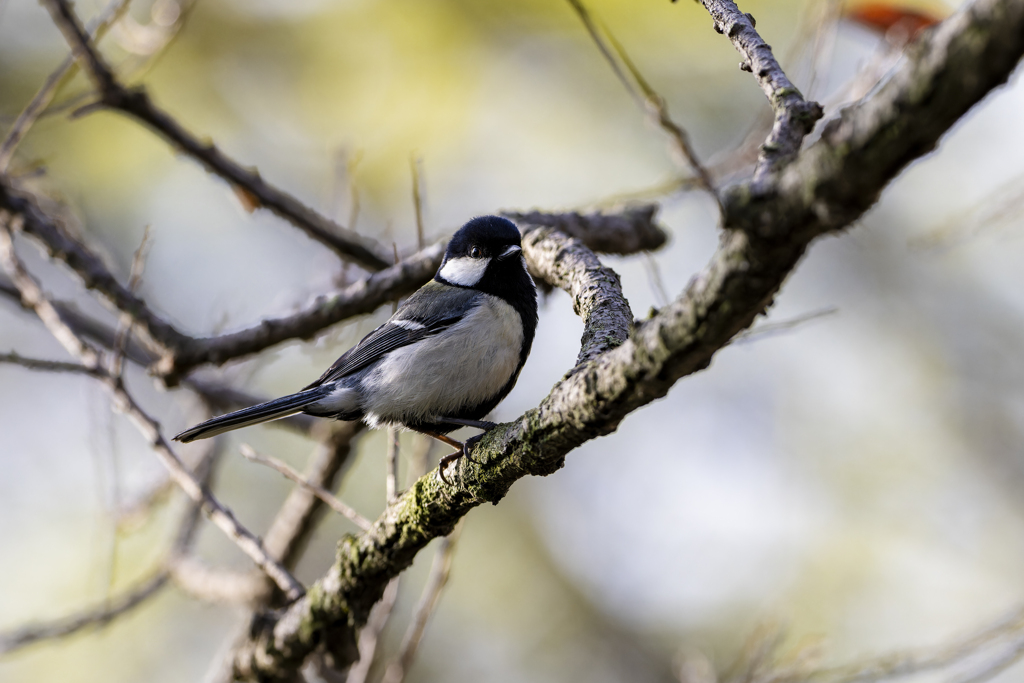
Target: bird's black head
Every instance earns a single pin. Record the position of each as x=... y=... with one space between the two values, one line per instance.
x=485 y=254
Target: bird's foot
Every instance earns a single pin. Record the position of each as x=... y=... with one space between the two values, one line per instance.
x=467 y=446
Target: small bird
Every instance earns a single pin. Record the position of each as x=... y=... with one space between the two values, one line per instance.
x=444 y=360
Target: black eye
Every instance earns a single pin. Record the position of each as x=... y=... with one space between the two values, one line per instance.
x=475 y=252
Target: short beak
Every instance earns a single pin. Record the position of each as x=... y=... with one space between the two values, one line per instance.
x=508 y=253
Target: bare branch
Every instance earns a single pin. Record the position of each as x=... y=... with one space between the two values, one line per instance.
x=111 y=609
x=97 y=616
x=13 y=358
x=33 y=297
x=30 y=114
x=769 y=329
x=323 y=494
x=136 y=103
x=359 y=298
x=369 y=637
x=794 y=116
x=127 y=324
x=415 y=164
x=644 y=94
x=627 y=231
x=59 y=244
x=297 y=517
x=438 y=577
x=205 y=583
x=392 y=465
x=595 y=290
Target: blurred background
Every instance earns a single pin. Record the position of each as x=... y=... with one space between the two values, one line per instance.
x=853 y=480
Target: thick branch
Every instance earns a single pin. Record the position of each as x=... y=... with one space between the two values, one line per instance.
x=135 y=102
x=794 y=116
x=595 y=290
x=430 y=508
x=985 y=41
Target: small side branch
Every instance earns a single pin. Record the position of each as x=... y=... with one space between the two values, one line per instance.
x=439 y=573
x=13 y=358
x=28 y=116
x=323 y=494
x=359 y=298
x=98 y=616
x=644 y=94
x=794 y=116
x=135 y=102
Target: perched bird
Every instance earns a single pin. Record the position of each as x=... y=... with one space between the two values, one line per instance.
x=444 y=360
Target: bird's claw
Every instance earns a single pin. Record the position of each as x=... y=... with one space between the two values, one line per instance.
x=454 y=457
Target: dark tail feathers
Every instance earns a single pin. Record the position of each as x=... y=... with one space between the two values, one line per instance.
x=264 y=412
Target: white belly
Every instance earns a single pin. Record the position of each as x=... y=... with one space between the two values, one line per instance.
x=463 y=366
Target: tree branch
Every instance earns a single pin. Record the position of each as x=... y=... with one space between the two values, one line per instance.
x=222 y=517
x=645 y=96
x=249 y=453
x=596 y=292
x=136 y=103
x=98 y=616
x=111 y=609
x=28 y=116
x=630 y=230
x=95 y=275
x=794 y=116
x=952 y=69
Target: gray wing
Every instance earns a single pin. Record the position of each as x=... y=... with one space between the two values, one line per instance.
x=431 y=309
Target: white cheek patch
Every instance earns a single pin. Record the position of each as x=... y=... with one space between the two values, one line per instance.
x=464 y=270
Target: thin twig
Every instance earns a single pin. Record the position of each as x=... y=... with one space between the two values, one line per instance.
x=768 y=329
x=127 y=324
x=391 y=481
x=97 y=616
x=369 y=637
x=136 y=103
x=222 y=517
x=439 y=572
x=415 y=164
x=644 y=94
x=53 y=83
x=14 y=358
x=111 y=609
x=326 y=496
